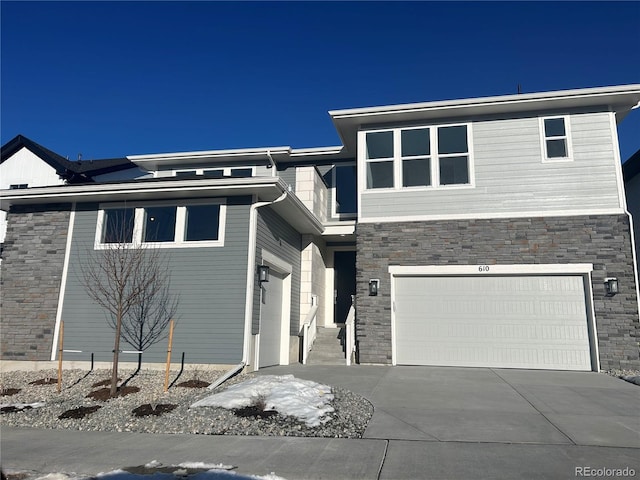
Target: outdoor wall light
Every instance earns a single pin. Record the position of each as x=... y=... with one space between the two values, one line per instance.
x=374 y=285
x=263 y=273
x=611 y=286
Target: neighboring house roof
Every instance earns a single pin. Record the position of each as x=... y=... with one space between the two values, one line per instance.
x=72 y=172
x=631 y=167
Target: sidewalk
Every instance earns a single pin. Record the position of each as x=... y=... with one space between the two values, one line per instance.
x=429 y=423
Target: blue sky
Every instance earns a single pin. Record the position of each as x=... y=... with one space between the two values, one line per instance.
x=109 y=79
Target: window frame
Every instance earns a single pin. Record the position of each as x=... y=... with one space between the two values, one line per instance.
x=434 y=159
x=180 y=225
x=566 y=137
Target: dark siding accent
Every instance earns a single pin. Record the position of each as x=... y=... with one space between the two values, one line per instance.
x=211 y=283
x=289 y=176
x=281 y=239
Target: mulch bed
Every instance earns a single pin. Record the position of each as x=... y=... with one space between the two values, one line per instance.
x=147 y=409
x=13 y=408
x=7 y=392
x=103 y=383
x=45 y=381
x=104 y=394
x=253 y=411
x=79 y=412
x=194 y=384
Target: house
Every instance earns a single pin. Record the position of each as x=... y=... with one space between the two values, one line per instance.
x=25 y=163
x=631 y=174
x=478 y=232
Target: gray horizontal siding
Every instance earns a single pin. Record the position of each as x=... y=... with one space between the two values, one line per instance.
x=281 y=239
x=510 y=176
x=289 y=176
x=210 y=282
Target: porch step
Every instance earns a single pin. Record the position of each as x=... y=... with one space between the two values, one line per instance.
x=328 y=348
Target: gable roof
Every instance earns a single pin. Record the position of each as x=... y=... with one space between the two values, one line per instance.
x=72 y=172
x=631 y=167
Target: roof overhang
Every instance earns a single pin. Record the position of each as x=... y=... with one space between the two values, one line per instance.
x=619 y=99
x=263 y=189
x=263 y=155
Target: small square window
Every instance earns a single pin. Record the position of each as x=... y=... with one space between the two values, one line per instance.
x=416 y=172
x=554 y=127
x=454 y=170
x=159 y=224
x=213 y=173
x=415 y=142
x=203 y=222
x=379 y=145
x=241 y=172
x=186 y=173
x=452 y=140
x=380 y=175
x=117 y=225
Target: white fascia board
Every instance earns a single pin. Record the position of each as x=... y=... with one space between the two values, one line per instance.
x=153 y=161
x=298 y=215
x=487 y=270
x=316 y=151
x=344 y=228
x=267 y=188
x=579 y=97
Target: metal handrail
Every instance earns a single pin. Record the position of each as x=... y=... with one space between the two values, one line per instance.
x=350 y=335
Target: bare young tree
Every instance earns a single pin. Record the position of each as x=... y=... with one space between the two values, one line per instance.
x=132 y=283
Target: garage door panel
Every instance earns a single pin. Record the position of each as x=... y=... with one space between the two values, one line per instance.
x=508 y=321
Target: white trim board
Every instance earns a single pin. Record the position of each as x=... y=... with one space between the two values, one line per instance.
x=520 y=269
x=489 y=216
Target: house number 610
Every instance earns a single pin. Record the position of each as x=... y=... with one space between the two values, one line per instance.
x=483 y=268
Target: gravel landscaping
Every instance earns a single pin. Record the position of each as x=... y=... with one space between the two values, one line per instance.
x=146 y=408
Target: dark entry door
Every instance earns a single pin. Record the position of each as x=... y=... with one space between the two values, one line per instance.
x=344 y=267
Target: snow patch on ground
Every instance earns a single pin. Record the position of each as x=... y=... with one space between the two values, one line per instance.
x=304 y=399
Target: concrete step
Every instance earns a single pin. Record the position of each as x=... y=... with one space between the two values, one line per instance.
x=327 y=348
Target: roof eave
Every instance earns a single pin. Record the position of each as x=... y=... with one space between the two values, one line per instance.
x=619 y=99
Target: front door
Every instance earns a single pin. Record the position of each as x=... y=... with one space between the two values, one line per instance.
x=344 y=267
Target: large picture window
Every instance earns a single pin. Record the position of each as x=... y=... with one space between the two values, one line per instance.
x=418 y=157
x=186 y=224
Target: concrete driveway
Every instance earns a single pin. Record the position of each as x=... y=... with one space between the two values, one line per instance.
x=428 y=423
x=448 y=422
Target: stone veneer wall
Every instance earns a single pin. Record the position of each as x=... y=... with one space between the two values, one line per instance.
x=603 y=241
x=33 y=259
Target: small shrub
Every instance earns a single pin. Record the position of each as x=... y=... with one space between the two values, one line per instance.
x=256 y=409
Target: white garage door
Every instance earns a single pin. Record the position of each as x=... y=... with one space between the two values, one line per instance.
x=271 y=320
x=492 y=321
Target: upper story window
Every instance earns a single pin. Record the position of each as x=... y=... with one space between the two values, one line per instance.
x=345 y=198
x=418 y=157
x=197 y=223
x=556 y=138
x=217 y=172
